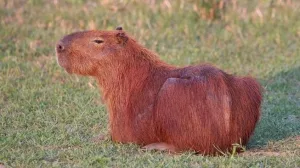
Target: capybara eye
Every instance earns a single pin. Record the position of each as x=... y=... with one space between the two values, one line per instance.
x=98 y=41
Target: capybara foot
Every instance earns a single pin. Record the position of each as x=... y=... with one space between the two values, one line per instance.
x=160 y=146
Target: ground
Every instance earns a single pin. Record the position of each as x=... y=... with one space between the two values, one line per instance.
x=50 y=119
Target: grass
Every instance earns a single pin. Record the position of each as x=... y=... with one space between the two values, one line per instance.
x=49 y=118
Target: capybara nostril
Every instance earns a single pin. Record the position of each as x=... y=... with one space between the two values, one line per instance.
x=60 y=47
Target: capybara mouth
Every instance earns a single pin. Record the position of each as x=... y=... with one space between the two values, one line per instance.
x=63 y=62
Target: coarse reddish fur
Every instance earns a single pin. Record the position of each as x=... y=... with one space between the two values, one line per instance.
x=197 y=108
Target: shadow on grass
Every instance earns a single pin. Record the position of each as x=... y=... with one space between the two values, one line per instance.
x=280 y=110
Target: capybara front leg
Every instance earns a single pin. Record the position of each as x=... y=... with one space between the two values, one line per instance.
x=160 y=146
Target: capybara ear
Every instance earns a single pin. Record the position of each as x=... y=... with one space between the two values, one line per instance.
x=122 y=38
x=119 y=28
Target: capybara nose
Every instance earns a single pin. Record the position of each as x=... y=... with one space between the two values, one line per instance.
x=60 y=47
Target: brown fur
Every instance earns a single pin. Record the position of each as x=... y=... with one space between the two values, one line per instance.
x=197 y=108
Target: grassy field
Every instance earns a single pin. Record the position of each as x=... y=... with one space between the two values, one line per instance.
x=49 y=118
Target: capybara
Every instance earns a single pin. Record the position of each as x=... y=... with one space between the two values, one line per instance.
x=160 y=106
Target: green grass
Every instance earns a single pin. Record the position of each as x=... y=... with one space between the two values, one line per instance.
x=49 y=118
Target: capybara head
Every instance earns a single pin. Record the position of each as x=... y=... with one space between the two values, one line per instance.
x=83 y=52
